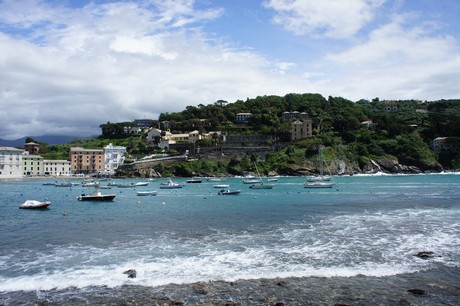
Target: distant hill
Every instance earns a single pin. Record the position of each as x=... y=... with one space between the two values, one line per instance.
x=49 y=139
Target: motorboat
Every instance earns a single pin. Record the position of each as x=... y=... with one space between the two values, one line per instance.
x=141 y=184
x=194 y=181
x=146 y=193
x=228 y=192
x=34 y=204
x=64 y=184
x=170 y=185
x=262 y=186
x=221 y=186
x=96 y=196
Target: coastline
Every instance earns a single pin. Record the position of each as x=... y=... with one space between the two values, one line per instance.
x=433 y=287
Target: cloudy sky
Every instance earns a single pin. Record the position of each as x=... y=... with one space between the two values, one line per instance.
x=66 y=66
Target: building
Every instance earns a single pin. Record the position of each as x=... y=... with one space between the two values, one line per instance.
x=243 y=118
x=32 y=147
x=301 y=129
x=10 y=162
x=114 y=156
x=57 y=167
x=86 y=161
x=446 y=145
x=32 y=165
x=390 y=106
x=295 y=115
x=144 y=123
x=369 y=124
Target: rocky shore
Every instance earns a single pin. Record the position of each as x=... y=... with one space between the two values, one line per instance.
x=435 y=287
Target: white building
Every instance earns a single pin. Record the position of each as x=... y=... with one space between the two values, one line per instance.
x=10 y=162
x=57 y=167
x=32 y=164
x=113 y=157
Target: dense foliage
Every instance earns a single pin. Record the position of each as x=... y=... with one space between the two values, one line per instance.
x=403 y=133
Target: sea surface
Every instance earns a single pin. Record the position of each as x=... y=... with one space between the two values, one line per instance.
x=366 y=226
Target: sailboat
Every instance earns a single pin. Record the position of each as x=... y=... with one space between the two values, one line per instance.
x=260 y=184
x=320 y=181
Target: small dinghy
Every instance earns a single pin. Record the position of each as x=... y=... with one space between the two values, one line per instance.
x=34 y=204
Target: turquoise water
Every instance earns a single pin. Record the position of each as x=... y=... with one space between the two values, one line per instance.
x=366 y=225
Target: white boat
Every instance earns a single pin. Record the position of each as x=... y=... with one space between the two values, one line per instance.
x=221 y=186
x=96 y=196
x=146 y=193
x=141 y=184
x=318 y=184
x=320 y=181
x=323 y=178
x=228 y=192
x=34 y=204
x=252 y=181
x=170 y=185
x=260 y=184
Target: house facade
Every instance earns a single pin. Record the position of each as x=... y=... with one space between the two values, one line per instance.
x=32 y=165
x=301 y=129
x=10 y=162
x=86 y=161
x=114 y=156
x=445 y=145
x=56 y=167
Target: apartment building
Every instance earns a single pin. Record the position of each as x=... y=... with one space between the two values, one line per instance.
x=10 y=162
x=57 y=167
x=114 y=156
x=86 y=161
x=32 y=165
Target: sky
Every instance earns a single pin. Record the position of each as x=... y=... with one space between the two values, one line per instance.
x=67 y=66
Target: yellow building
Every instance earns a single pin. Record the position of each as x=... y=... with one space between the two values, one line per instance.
x=86 y=161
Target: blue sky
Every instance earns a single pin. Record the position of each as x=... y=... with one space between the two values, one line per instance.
x=68 y=66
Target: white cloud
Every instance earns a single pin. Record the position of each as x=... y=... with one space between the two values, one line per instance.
x=332 y=18
x=399 y=61
x=116 y=62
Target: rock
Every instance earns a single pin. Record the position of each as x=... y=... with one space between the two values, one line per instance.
x=424 y=255
x=417 y=291
x=131 y=273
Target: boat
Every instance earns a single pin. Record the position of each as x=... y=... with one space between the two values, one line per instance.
x=215 y=179
x=131 y=185
x=194 y=181
x=170 y=185
x=64 y=184
x=318 y=184
x=272 y=179
x=320 y=181
x=34 y=204
x=96 y=196
x=262 y=186
x=141 y=184
x=146 y=193
x=221 y=186
x=251 y=181
x=228 y=192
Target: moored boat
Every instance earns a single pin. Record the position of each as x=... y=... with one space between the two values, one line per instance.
x=170 y=185
x=34 y=204
x=262 y=186
x=228 y=192
x=221 y=186
x=146 y=193
x=96 y=196
x=318 y=184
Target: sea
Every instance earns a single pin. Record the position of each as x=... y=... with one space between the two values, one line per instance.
x=365 y=226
